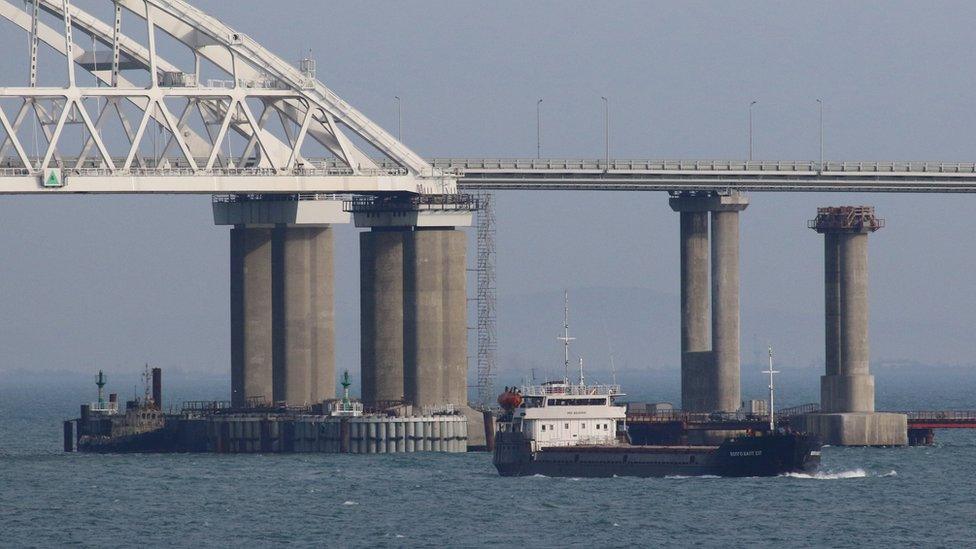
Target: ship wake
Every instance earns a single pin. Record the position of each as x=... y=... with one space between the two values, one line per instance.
x=838 y=475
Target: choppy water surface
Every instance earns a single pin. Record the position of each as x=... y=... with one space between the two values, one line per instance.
x=862 y=497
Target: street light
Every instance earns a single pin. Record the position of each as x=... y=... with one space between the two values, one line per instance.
x=820 y=102
x=606 y=129
x=538 y=128
x=750 y=129
x=396 y=98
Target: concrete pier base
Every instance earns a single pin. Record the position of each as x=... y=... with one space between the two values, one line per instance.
x=847 y=393
x=476 y=428
x=856 y=428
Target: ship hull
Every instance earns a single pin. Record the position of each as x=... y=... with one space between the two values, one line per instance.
x=754 y=456
x=151 y=442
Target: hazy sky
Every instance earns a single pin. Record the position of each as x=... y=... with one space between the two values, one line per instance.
x=112 y=282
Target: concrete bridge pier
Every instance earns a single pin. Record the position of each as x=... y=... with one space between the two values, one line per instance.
x=413 y=300
x=847 y=416
x=282 y=298
x=709 y=336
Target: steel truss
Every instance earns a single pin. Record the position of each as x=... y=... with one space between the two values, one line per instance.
x=273 y=107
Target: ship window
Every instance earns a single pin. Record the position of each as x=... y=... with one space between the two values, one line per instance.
x=567 y=426
x=577 y=402
x=543 y=427
x=584 y=426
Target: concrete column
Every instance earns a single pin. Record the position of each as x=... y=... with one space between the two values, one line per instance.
x=696 y=355
x=435 y=317
x=381 y=311
x=709 y=357
x=852 y=388
x=854 y=304
x=304 y=315
x=725 y=311
x=694 y=282
x=251 y=319
x=832 y=303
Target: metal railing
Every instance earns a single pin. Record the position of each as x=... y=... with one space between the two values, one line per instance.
x=665 y=416
x=792 y=166
x=941 y=415
x=570 y=389
x=104 y=407
x=400 y=204
x=205 y=405
x=798 y=410
x=176 y=167
x=297 y=197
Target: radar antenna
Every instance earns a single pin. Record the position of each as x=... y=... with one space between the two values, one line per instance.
x=565 y=337
x=613 y=368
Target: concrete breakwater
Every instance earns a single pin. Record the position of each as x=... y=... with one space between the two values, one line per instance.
x=251 y=433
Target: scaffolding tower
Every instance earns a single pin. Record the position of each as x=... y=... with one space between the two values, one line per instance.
x=485 y=268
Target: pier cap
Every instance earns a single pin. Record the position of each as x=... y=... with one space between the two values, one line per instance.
x=693 y=201
x=416 y=211
x=305 y=210
x=846 y=219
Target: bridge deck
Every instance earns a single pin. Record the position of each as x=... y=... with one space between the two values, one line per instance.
x=711 y=175
x=328 y=175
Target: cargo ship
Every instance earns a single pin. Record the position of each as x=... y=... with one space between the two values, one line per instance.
x=571 y=429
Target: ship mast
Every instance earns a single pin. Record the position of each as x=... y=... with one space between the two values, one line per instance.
x=772 y=406
x=100 y=382
x=565 y=337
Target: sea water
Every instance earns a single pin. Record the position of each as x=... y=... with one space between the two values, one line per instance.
x=861 y=497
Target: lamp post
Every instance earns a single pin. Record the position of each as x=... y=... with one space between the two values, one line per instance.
x=396 y=98
x=820 y=103
x=538 y=128
x=606 y=130
x=750 y=129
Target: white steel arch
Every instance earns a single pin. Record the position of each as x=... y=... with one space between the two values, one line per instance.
x=192 y=160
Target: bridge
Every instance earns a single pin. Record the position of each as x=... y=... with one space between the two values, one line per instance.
x=286 y=158
x=719 y=176
x=676 y=426
x=175 y=175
